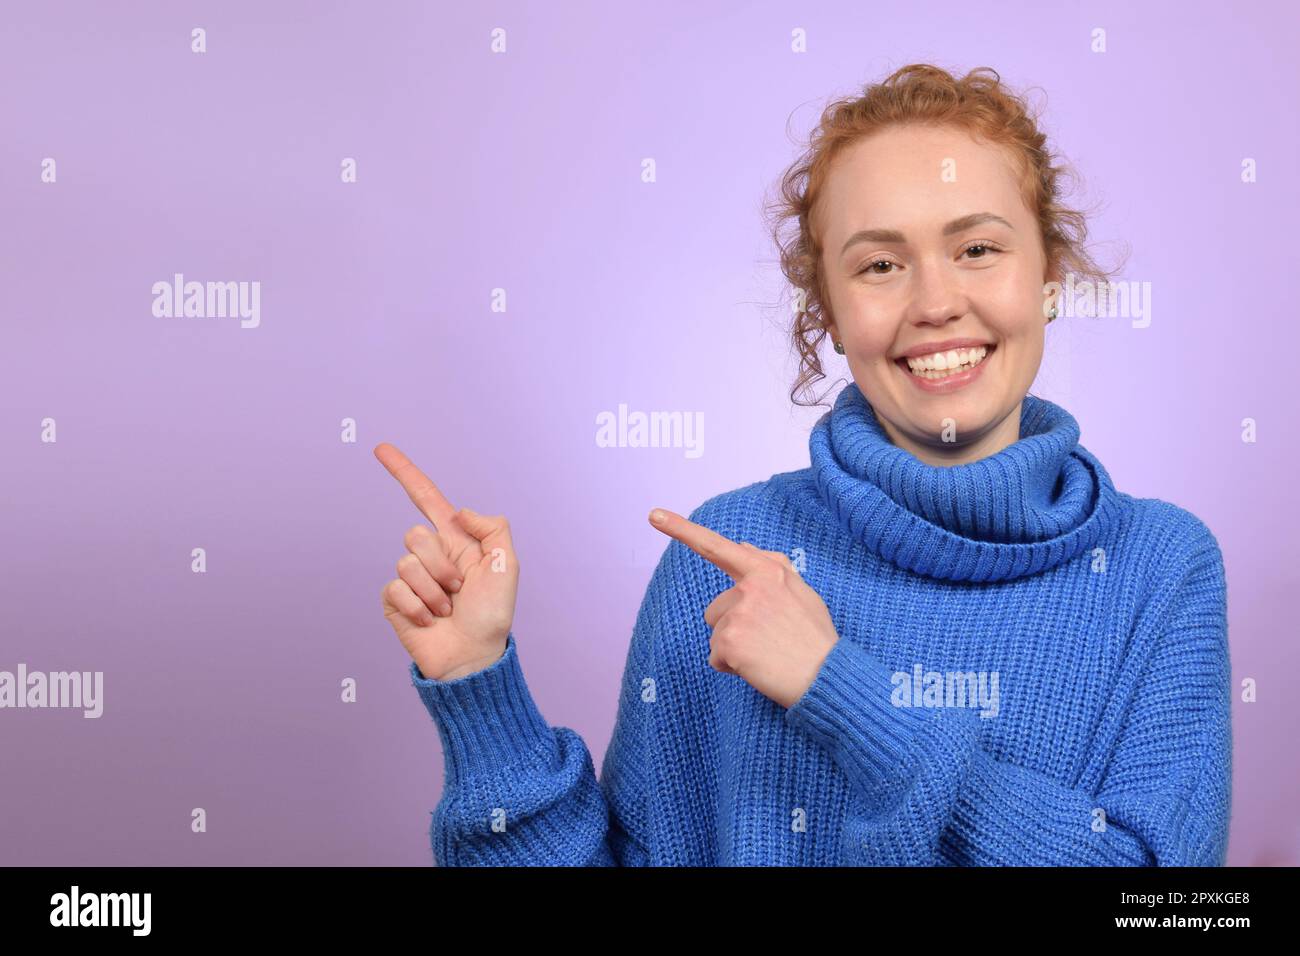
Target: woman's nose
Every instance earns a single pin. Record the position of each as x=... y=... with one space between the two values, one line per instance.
x=936 y=295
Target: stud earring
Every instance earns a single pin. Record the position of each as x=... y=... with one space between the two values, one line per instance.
x=839 y=347
x=1052 y=314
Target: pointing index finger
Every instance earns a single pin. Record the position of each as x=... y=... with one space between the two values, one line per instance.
x=707 y=543
x=421 y=490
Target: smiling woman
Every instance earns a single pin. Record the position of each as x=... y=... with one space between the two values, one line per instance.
x=950 y=533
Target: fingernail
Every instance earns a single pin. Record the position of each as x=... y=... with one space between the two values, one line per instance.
x=455 y=585
x=658 y=517
x=445 y=608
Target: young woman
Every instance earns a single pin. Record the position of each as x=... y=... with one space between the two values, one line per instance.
x=948 y=641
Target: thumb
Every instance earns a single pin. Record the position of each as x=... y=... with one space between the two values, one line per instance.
x=491 y=532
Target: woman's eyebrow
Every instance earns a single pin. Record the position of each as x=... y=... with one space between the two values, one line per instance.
x=893 y=235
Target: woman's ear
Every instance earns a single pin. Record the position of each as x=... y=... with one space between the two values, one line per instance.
x=1052 y=278
x=832 y=334
x=1052 y=274
x=828 y=323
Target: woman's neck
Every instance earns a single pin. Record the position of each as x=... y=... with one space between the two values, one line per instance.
x=945 y=454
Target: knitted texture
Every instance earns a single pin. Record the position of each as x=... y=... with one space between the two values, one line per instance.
x=1032 y=669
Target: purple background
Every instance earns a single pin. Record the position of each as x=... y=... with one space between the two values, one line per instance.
x=522 y=171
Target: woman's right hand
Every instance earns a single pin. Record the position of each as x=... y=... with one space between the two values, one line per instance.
x=467 y=563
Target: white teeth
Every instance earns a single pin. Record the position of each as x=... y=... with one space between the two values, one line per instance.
x=942 y=364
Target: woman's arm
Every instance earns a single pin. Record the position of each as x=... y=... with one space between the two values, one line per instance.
x=520 y=792
x=516 y=792
x=925 y=792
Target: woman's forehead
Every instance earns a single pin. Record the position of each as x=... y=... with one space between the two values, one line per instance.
x=918 y=178
x=927 y=158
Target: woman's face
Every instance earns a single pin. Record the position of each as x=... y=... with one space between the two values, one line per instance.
x=908 y=268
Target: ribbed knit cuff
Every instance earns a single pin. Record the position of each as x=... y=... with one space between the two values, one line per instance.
x=848 y=710
x=488 y=720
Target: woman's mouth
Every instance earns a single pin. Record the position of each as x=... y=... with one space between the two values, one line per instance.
x=946 y=371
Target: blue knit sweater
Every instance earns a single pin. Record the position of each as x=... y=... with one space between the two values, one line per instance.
x=1032 y=670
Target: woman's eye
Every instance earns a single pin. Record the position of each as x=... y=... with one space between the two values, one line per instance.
x=884 y=267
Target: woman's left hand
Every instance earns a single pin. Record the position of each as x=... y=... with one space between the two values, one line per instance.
x=771 y=629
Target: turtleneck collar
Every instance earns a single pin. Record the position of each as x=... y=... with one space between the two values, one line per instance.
x=1036 y=503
